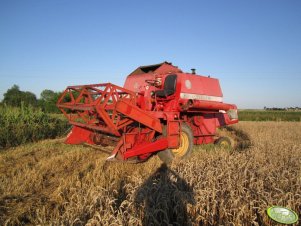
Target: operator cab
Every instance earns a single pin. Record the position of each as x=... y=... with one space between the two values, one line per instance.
x=169 y=87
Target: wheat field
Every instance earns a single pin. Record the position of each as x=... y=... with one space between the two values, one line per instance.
x=51 y=183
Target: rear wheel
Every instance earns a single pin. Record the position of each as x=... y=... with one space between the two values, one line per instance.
x=185 y=148
x=223 y=142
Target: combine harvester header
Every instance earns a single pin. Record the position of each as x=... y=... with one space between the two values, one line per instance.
x=160 y=110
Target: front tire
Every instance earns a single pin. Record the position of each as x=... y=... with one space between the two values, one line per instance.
x=183 y=151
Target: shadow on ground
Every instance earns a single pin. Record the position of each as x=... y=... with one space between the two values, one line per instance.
x=163 y=198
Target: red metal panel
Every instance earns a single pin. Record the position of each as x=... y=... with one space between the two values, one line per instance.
x=160 y=144
x=173 y=128
x=204 y=140
x=211 y=105
x=133 y=140
x=136 y=83
x=79 y=135
x=138 y=115
x=197 y=84
x=173 y=133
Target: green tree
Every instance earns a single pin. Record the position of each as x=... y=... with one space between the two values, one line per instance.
x=47 y=95
x=12 y=96
x=29 y=98
x=15 y=97
x=48 y=101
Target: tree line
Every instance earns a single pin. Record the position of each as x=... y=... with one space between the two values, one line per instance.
x=282 y=109
x=15 y=97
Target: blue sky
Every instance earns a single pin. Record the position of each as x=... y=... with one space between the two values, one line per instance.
x=252 y=46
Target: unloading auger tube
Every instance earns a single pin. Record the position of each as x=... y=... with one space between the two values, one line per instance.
x=159 y=110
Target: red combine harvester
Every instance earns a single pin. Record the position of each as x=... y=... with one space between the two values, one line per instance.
x=159 y=110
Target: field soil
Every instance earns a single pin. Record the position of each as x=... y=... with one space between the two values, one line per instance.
x=49 y=182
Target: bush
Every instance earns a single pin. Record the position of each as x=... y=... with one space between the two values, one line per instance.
x=27 y=124
x=258 y=115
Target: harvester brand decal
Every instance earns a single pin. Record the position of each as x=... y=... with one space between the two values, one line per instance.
x=200 y=97
x=136 y=86
x=188 y=84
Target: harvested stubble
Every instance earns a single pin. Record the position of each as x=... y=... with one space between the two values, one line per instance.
x=52 y=183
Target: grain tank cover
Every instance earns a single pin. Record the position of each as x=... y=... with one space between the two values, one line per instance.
x=162 y=68
x=135 y=81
